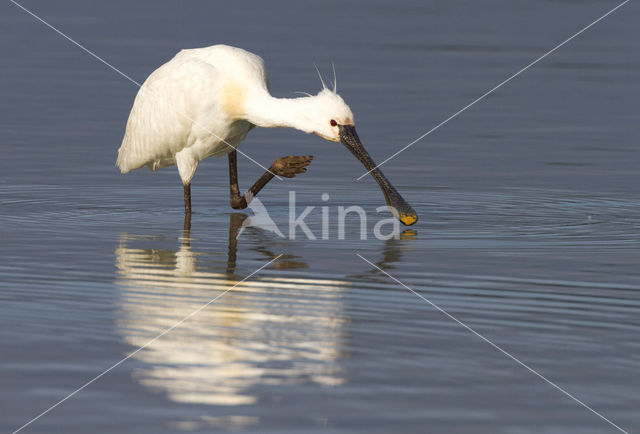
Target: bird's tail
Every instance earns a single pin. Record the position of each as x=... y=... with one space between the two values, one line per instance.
x=121 y=161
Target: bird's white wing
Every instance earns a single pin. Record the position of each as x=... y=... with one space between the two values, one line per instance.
x=187 y=100
x=161 y=121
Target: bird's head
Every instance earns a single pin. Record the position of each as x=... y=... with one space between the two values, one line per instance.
x=330 y=111
x=332 y=119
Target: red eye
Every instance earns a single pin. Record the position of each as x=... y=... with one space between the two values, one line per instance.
x=333 y=123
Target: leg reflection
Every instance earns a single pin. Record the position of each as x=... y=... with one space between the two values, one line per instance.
x=235 y=223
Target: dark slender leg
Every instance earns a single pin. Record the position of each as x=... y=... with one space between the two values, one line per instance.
x=187 y=225
x=187 y=198
x=287 y=167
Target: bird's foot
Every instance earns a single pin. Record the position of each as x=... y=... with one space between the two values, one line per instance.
x=290 y=166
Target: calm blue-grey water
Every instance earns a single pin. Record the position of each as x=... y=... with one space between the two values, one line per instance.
x=529 y=227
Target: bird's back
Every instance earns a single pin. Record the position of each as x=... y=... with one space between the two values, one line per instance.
x=180 y=103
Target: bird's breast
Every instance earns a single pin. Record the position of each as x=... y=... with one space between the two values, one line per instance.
x=232 y=100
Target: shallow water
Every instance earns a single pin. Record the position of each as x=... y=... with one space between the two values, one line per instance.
x=529 y=230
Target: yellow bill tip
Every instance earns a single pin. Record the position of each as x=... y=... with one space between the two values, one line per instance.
x=408 y=220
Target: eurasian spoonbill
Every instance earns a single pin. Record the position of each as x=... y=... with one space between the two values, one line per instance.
x=204 y=101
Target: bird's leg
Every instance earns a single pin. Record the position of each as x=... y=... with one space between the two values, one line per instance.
x=187 y=199
x=186 y=226
x=287 y=167
x=234 y=190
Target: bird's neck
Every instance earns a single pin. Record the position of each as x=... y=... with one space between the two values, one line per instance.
x=266 y=111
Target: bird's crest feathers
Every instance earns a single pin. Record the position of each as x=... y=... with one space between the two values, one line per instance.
x=324 y=86
x=335 y=80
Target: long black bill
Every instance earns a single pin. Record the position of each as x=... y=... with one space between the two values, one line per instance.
x=397 y=205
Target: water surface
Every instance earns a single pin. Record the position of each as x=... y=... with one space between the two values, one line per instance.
x=529 y=229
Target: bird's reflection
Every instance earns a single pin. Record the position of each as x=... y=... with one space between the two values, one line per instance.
x=273 y=329
x=394 y=248
x=392 y=252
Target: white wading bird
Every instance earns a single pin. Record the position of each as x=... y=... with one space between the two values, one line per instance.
x=204 y=101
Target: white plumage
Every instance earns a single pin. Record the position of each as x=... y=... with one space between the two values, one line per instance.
x=204 y=101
